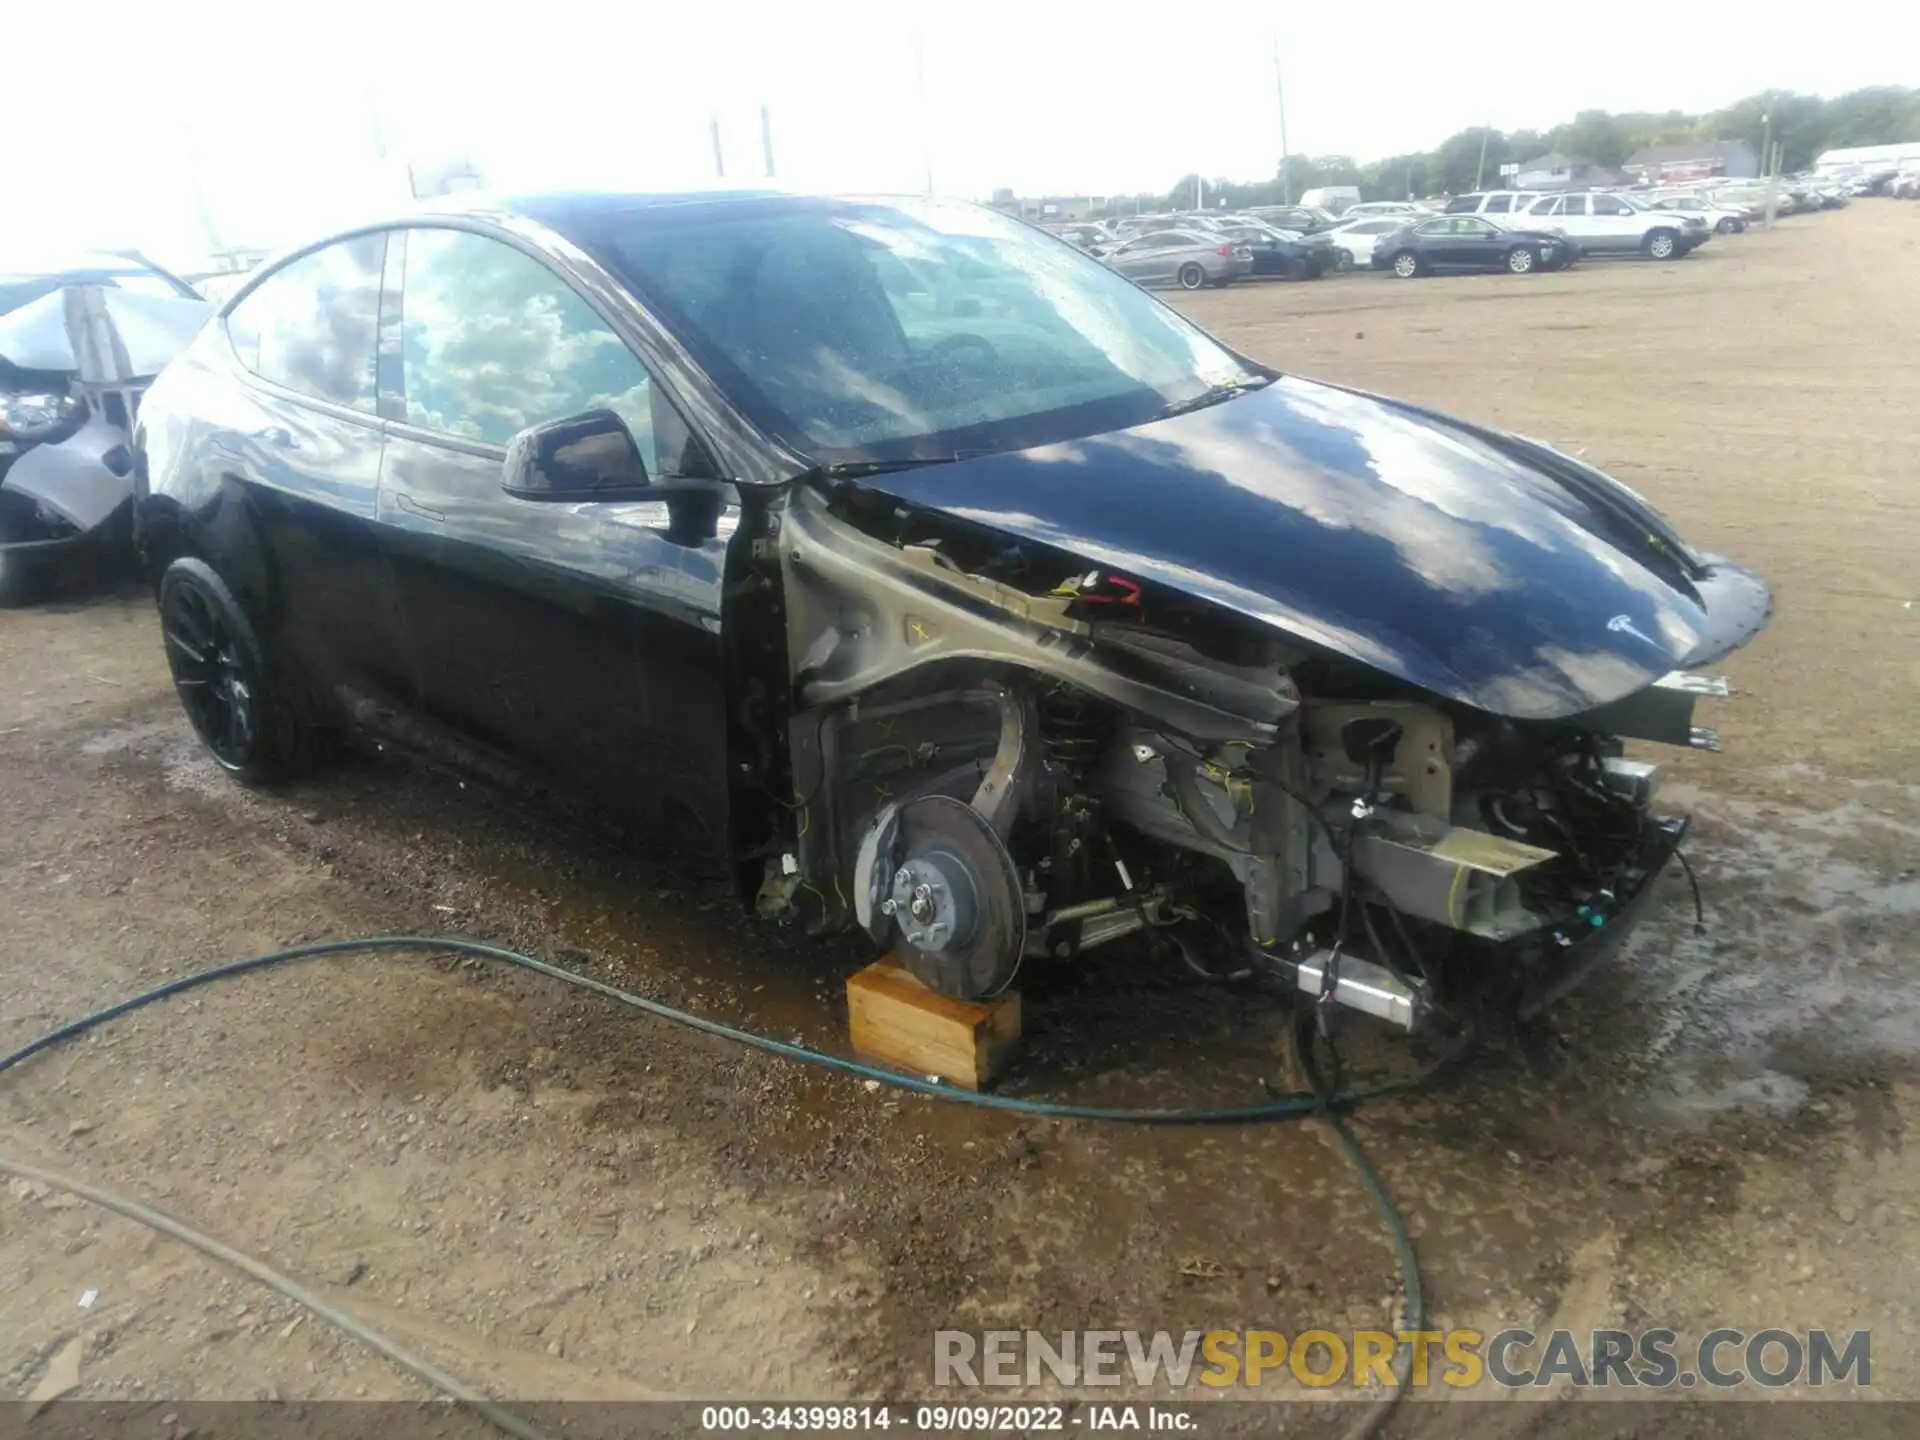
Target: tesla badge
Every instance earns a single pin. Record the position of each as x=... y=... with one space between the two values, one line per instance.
x=1623 y=624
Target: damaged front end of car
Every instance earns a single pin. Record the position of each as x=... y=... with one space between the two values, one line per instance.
x=73 y=367
x=1042 y=702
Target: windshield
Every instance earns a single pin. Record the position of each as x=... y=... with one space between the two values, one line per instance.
x=908 y=329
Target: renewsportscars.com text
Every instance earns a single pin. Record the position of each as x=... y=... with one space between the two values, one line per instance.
x=1460 y=1359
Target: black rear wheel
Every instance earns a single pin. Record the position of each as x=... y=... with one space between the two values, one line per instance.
x=1191 y=276
x=242 y=713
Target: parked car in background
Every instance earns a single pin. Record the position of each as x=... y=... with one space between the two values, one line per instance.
x=1354 y=240
x=657 y=502
x=1748 y=198
x=1301 y=219
x=1606 y=223
x=74 y=363
x=127 y=270
x=1334 y=199
x=1468 y=242
x=1088 y=235
x=1191 y=259
x=1725 y=219
x=1133 y=224
x=1382 y=207
x=1279 y=252
x=1497 y=203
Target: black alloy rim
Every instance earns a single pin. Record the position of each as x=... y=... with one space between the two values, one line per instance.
x=209 y=674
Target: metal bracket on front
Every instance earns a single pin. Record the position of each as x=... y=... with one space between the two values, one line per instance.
x=1010 y=777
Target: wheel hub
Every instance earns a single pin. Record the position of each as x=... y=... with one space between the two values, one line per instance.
x=934 y=901
x=933 y=869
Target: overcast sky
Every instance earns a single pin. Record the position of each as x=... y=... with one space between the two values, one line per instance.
x=275 y=122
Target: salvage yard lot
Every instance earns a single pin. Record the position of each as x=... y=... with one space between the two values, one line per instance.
x=555 y=1199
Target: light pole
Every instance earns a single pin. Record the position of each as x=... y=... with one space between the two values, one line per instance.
x=926 y=140
x=1280 y=96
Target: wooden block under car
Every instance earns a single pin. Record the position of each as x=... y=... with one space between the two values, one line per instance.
x=893 y=1017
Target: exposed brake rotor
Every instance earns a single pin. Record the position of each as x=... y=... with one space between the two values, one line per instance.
x=947 y=883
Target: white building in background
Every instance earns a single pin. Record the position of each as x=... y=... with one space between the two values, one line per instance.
x=1903 y=155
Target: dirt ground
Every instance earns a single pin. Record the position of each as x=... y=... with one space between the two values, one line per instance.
x=557 y=1199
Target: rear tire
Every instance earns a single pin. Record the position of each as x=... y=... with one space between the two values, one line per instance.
x=1729 y=226
x=1661 y=245
x=1520 y=260
x=1343 y=261
x=239 y=704
x=1407 y=265
x=1191 y=276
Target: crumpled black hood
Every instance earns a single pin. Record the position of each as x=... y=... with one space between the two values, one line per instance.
x=1474 y=565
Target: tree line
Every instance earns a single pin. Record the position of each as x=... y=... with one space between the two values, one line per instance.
x=1805 y=126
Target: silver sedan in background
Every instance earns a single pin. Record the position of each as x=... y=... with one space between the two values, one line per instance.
x=1187 y=258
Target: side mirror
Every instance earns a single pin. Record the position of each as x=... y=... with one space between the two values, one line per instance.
x=592 y=456
x=589 y=456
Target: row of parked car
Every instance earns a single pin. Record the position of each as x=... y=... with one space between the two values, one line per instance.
x=1495 y=230
x=1515 y=230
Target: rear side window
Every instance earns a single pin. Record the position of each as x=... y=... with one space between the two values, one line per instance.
x=1463 y=204
x=1573 y=205
x=492 y=341
x=310 y=325
x=1499 y=204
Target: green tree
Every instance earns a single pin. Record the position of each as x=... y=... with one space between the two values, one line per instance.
x=1806 y=125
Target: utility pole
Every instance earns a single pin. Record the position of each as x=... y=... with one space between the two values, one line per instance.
x=1481 y=169
x=719 y=160
x=766 y=138
x=1280 y=96
x=1199 y=192
x=1766 y=164
x=926 y=144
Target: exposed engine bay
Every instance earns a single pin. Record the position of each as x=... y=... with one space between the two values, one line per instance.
x=999 y=757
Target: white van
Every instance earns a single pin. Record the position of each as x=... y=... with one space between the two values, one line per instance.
x=1335 y=198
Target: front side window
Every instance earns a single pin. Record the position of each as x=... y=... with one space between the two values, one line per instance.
x=310 y=325
x=492 y=342
x=799 y=310
x=1573 y=205
x=1499 y=204
x=1609 y=205
x=1547 y=206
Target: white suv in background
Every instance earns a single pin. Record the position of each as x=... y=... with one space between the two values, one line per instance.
x=1496 y=204
x=1601 y=222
